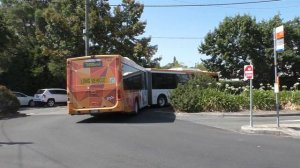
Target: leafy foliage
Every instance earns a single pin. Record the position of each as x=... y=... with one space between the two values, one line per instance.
x=198 y=96
x=5 y=42
x=174 y=64
x=239 y=39
x=8 y=101
x=48 y=32
x=232 y=45
x=201 y=94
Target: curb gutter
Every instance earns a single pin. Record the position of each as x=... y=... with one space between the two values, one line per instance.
x=272 y=129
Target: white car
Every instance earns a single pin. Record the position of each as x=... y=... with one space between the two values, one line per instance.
x=24 y=99
x=50 y=96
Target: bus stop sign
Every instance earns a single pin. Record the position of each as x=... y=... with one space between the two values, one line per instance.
x=248 y=72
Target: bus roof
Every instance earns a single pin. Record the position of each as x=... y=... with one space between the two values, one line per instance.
x=92 y=57
x=124 y=60
x=182 y=70
x=131 y=63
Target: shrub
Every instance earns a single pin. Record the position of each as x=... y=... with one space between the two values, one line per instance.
x=235 y=84
x=201 y=81
x=204 y=94
x=8 y=101
x=290 y=100
x=215 y=100
x=201 y=94
x=199 y=100
x=243 y=100
x=184 y=99
x=262 y=99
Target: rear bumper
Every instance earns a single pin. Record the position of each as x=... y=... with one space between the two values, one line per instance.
x=73 y=111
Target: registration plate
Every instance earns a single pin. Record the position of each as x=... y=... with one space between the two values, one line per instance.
x=95 y=111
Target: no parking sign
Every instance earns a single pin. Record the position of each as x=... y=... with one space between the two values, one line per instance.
x=248 y=72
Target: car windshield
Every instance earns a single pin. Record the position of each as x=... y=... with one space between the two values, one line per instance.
x=40 y=91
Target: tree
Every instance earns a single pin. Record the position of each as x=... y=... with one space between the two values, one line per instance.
x=22 y=68
x=240 y=39
x=232 y=45
x=289 y=60
x=118 y=32
x=110 y=32
x=48 y=32
x=6 y=39
x=200 y=66
x=174 y=64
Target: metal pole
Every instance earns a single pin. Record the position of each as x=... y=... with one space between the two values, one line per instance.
x=276 y=77
x=251 y=104
x=251 y=100
x=86 y=27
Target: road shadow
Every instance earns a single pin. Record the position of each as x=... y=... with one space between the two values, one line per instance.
x=15 y=143
x=148 y=115
x=26 y=108
x=12 y=115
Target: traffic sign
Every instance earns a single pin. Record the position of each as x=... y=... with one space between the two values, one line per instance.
x=248 y=72
x=279 y=32
x=279 y=39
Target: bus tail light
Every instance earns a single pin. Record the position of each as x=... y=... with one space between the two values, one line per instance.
x=119 y=96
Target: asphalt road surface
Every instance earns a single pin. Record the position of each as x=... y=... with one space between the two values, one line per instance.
x=49 y=138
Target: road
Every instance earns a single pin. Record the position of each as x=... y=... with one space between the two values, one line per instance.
x=49 y=138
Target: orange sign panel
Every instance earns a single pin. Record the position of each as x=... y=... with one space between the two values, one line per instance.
x=279 y=32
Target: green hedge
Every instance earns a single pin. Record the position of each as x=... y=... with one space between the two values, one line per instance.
x=8 y=101
x=190 y=99
x=290 y=100
x=203 y=94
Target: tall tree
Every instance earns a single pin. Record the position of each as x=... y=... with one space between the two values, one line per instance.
x=19 y=17
x=240 y=39
x=6 y=39
x=118 y=32
x=47 y=32
x=233 y=44
x=289 y=60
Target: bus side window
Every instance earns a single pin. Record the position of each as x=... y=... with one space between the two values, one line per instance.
x=164 y=81
x=133 y=82
x=182 y=78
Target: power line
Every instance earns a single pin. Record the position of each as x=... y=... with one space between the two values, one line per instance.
x=207 y=5
x=177 y=38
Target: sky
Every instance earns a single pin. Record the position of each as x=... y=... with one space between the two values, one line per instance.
x=178 y=31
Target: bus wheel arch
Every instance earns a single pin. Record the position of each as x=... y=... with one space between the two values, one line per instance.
x=162 y=100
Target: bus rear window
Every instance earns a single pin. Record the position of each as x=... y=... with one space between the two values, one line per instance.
x=92 y=63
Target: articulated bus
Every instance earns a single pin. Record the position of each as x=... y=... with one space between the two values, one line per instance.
x=162 y=81
x=105 y=83
x=112 y=83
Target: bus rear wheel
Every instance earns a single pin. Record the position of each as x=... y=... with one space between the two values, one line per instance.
x=162 y=101
x=136 y=107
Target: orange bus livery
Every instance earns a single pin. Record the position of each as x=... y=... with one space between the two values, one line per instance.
x=105 y=83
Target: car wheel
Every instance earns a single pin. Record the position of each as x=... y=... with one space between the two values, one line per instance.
x=50 y=103
x=161 y=101
x=31 y=103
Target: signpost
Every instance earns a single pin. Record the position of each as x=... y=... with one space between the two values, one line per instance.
x=278 y=35
x=248 y=75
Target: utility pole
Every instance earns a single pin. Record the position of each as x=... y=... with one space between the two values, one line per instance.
x=86 y=30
